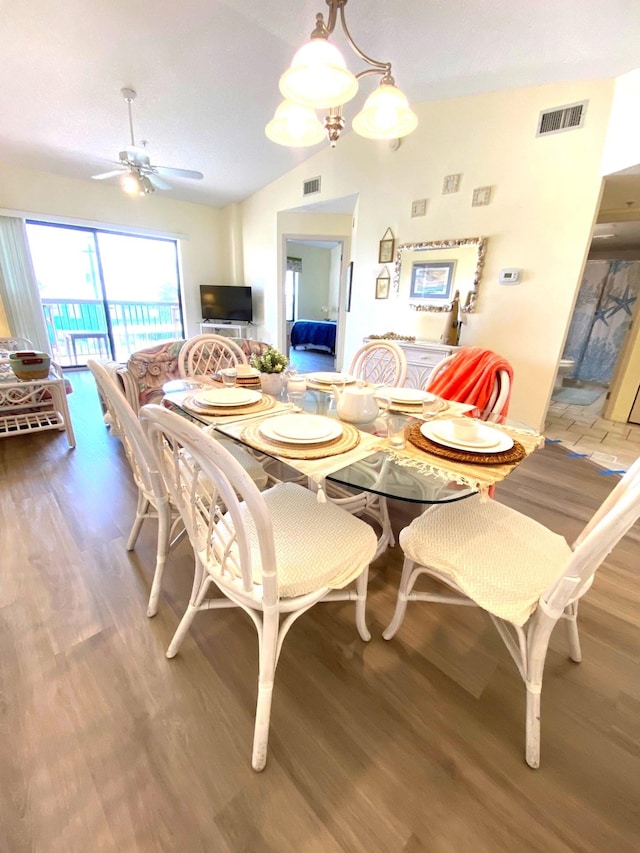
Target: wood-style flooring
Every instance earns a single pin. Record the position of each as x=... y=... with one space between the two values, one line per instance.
x=412 y=745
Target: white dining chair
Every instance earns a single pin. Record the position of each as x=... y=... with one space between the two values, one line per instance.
x=154 y=500
x=380 y=362
x=274 y=554
x=498 y=399
x=522 y=574
x=205 y=355
x=377 y=362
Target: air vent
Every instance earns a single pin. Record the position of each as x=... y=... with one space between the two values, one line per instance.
x=311 y=186
x=569 y=117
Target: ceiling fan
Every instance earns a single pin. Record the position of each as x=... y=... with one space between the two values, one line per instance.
x=137 y=174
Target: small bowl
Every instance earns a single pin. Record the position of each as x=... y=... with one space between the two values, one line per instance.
x=464 y=429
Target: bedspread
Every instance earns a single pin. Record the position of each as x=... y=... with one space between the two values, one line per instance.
x=314 y=333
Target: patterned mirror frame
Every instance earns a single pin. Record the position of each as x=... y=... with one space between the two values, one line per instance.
x=470 y=300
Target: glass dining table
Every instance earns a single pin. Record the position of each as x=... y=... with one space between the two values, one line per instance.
x=418 y=473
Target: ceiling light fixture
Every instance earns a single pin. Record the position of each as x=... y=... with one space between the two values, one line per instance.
x=134 y=182
x=318 y=79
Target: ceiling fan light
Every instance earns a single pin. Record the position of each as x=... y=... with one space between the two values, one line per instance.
x=145 y=185
x=295 y=126
x=318 y=77
x=385 y=115
x=129 y=183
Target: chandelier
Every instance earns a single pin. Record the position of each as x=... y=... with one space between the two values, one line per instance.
x=318 y=79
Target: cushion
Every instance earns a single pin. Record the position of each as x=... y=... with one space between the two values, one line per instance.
x=498 y=557
x=317 y=544
x=154 y=366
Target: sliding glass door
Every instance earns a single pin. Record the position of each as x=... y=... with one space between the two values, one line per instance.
x=104 y=294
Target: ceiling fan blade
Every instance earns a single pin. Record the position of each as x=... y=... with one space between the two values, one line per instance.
x=178 y=173
x=107 y=175
x=157 y=182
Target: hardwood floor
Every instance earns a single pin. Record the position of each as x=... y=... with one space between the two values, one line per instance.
x=412 y=745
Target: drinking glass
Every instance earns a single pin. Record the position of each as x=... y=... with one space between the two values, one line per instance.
x=430 y=408
x=396 y=430
x=296 y=390
x=228 y=377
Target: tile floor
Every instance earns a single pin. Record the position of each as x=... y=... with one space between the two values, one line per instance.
x=610 y=445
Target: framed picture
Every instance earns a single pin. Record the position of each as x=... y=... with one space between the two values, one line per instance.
x=387 y=245
x=347 y=291
x=382 y=285
x=432 y=280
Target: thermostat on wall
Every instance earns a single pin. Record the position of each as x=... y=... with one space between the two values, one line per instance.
x=510 y=276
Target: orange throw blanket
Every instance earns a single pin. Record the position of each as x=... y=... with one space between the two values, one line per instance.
x=470 y=376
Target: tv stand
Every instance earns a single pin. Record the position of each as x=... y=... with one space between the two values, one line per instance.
x=216 y=326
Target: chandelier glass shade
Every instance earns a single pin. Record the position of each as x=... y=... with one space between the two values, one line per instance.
x=385 y=115
x=295 y=126
x=318 y=79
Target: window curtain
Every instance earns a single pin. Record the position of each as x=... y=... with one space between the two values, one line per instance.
x=18 y=285
x=294 y=264
x=601 y=318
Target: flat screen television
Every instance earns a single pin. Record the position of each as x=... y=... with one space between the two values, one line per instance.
x=226 y=303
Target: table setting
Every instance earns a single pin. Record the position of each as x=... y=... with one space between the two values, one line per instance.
x=467 y=449
x=414 y=429
x=225 y=403
x=324 y=380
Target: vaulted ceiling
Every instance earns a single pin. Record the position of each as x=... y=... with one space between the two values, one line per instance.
x=206 y=73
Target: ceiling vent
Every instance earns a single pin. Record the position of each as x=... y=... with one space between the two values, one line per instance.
x=569 y=117
x=311 y=186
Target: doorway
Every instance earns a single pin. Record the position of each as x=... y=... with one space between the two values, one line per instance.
x=313 y=273
x=607 y=301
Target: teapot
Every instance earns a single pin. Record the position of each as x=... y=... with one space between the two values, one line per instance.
x=356 y=403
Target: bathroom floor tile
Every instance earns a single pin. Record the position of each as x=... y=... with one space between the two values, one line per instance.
x=582 y=429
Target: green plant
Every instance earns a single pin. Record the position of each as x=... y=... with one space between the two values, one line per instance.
x=271 y=361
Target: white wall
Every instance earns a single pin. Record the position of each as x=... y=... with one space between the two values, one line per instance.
x=204 y=248
x=314 y=281
x=622 y=147
x=545 y=196
x=334 y=282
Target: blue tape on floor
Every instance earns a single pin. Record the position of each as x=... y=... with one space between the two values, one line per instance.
x=553 y=441
x=605 y=472
x=578 y=455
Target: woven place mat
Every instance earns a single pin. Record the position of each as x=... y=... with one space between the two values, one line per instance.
x=248 y=381
x=416 y=408
x=319 y=386
x=514 y=454
x=349 y=439
x=262 y=405
x=241 y=381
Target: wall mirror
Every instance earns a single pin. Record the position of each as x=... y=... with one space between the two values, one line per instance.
x=428 y=274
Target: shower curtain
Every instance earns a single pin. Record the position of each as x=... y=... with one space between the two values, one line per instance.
x=601 y=318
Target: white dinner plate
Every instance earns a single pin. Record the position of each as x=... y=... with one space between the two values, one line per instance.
x=330 y=378
x=408 y=396
x=228 y=397
x=488 y=440
x=301 y=429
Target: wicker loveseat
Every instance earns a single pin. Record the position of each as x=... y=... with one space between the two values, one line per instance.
x=148 y=369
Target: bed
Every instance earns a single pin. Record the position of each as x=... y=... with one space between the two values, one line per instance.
x=314 y=333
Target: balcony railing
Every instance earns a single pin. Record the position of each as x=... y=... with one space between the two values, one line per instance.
x=134 y=325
